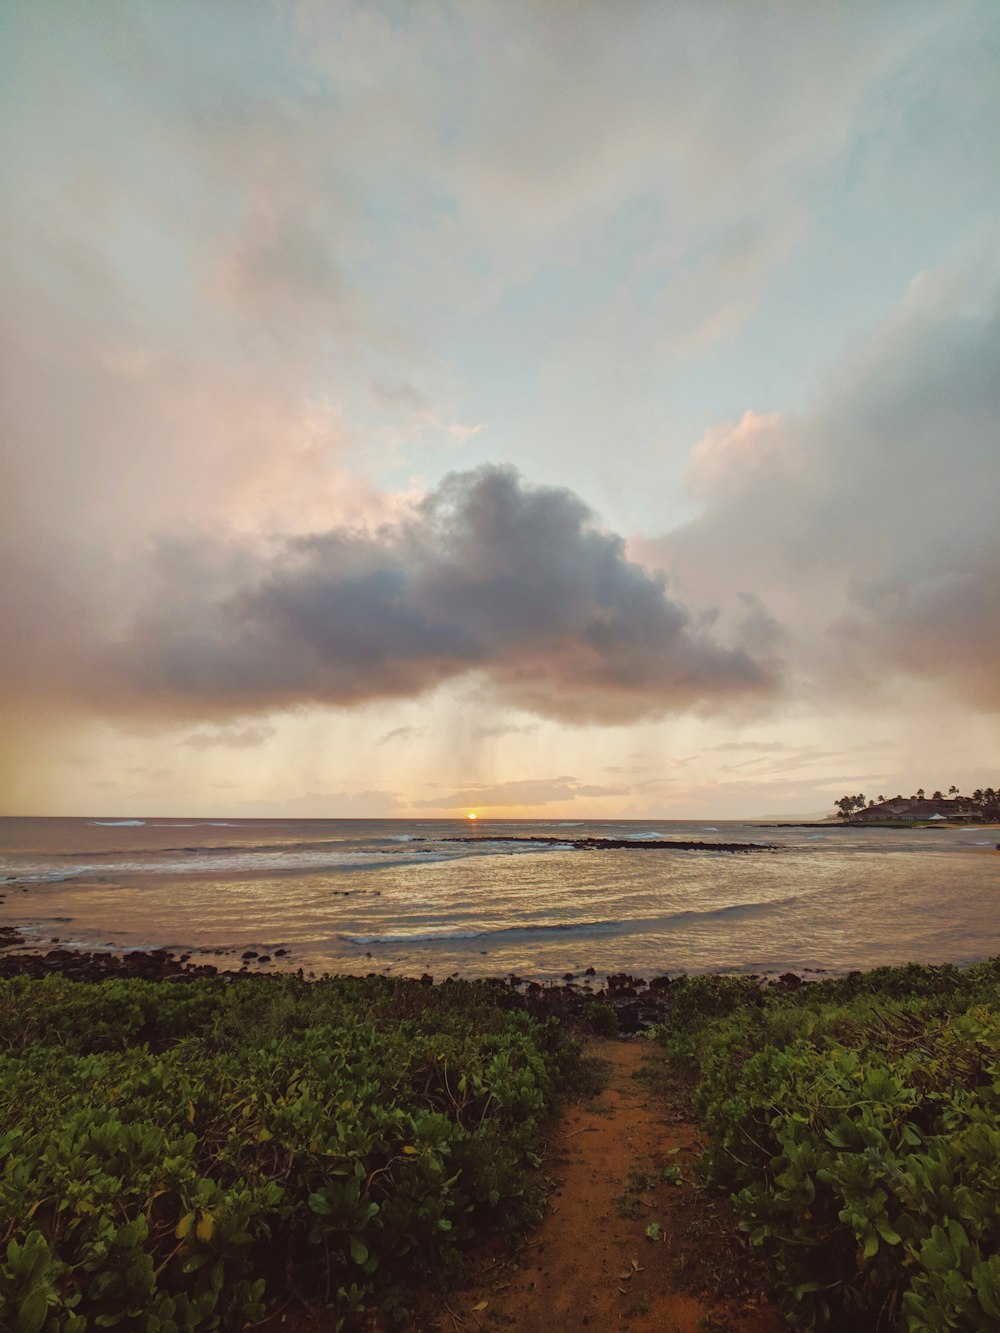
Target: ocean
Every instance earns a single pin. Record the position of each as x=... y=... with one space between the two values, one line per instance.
x=398 y=897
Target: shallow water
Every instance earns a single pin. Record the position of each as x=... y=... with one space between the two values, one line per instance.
x=392 y=895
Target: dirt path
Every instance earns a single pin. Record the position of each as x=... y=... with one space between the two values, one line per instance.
x=591 y=1264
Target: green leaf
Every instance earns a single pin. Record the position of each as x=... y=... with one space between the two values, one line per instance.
x=986 y=1280
x=32 y=1313
x=359 y=1250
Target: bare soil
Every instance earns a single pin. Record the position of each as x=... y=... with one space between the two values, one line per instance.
x=617 y=1163
x=613 y=1163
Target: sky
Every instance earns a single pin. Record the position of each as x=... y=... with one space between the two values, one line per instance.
x=544 y=409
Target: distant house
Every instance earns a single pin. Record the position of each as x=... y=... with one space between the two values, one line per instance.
x=905 y=808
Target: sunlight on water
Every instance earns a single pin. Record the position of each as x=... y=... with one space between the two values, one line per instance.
x=405 y=897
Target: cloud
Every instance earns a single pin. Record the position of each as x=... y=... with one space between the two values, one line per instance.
x=861 y=534
x=525 y=791
x=505 y=729
x=401 y=734
x=727 y=456
x=761 y=747
x=231 y=738
x=400 y=394
x=252 y=295
x=328 y=805
x=486 y=576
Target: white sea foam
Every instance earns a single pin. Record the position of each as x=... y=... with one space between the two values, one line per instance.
x=414 y=936
x=118 y=823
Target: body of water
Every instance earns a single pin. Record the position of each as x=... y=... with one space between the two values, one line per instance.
x=400 y=897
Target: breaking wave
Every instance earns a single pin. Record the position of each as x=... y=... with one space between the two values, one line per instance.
x=432 y=935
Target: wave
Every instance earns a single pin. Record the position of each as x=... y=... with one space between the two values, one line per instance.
x=460 y=933
x=200 y=823
x=46 y=876
x=447 y=933
x=734 y=909
x=118 y=823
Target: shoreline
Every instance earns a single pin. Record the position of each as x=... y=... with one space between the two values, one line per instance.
x=638 y=1002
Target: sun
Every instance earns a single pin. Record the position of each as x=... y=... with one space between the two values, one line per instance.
x=473 y=815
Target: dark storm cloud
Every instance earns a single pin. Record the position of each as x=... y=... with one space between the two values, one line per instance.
x=487 y=575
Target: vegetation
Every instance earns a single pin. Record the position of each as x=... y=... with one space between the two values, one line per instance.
x=178 y=1155
x=855 y=1124
x=983 y=804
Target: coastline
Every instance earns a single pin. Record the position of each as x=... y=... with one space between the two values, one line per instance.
x=638 y=1002
x=539 y=901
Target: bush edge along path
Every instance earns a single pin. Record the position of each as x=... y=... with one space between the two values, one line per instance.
x=203 y=1153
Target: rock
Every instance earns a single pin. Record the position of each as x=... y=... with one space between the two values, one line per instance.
x=659 y=983
x=788 y=981
x=250 y=953
x=427 y=979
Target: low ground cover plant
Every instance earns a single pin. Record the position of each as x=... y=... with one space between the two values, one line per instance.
x=179 y=1155
x=856 y=1124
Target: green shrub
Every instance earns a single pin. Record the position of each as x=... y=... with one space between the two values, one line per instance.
x=603 y=1018
x=855 y=1124
x=175 y=1154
